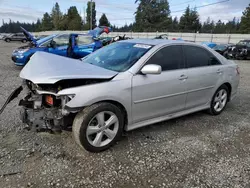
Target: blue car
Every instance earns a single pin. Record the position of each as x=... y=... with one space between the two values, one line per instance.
x=69 y=45
x=209 y=44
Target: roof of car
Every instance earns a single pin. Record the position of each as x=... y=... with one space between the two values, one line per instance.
x=152 y=41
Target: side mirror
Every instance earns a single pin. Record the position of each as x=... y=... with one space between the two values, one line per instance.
x=151 y=69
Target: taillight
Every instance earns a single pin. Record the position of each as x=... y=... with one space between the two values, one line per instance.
x=238 y=70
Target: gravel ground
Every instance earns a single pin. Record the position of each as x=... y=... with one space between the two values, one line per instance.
x=197 y=150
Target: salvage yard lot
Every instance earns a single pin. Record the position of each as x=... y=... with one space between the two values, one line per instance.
x=197 y=150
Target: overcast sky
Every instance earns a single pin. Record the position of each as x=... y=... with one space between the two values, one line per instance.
x=118 y=12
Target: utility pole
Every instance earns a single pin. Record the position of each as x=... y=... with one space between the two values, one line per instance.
x=84 y=19
x=91 y=14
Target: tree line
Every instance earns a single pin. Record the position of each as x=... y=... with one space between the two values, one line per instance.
x=150 y=16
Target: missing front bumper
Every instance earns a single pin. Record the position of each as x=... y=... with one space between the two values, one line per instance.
x=42 y=120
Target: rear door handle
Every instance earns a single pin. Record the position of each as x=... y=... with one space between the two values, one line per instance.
x=183 y=77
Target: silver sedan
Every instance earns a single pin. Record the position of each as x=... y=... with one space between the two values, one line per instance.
x=124 y=86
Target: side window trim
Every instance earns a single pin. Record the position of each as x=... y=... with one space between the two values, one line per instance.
x=162 y=47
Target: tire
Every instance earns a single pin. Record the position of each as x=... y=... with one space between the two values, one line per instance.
x=7 y=40
x=84 y=121
x=225 y=54
x=24 y=41
x=217 y=107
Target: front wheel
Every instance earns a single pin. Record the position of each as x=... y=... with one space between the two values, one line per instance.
x=24 y=41
x=219 y=100
x=225 y=54
x=7 y=40
x=98 y=127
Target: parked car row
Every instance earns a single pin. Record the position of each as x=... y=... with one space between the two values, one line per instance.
x=240 y=51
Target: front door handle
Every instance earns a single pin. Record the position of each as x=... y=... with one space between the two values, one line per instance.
x=219 y=71
x=183 y=77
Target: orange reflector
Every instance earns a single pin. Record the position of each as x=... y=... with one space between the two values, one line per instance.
x=49 y=100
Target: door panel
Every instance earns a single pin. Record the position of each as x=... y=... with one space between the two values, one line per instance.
x=158 y=95
x=84 y=45
x=204 y=71
x=14 y=37
x=201 y=84
x=61 y=45
x=83 y=50
x=61 y=50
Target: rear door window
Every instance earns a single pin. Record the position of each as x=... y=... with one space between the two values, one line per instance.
x=199 y=57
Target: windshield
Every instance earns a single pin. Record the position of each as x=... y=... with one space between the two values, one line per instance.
x=220 y=47
x=42 y=40
x=244 y=43
x=118 y=57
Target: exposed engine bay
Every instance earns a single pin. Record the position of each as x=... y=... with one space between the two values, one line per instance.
x=43 y=110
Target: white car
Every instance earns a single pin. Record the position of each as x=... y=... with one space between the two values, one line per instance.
x=124 y=86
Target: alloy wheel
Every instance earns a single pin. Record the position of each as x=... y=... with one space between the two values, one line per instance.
x=220 y=100
x=102 y=129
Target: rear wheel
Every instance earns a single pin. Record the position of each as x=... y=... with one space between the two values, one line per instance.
x=98 y=127
x=219 y=100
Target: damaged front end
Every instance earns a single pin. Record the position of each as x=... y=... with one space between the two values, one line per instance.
x=44 y=110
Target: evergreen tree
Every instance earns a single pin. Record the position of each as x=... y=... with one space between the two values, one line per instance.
x=56 y=16
x=175 y=25
x=231 y=26
x=74 y=20
x=89 y=14
x=220 y=27
x=47 y=24
x=38 y=25
x=104 y=21
x=245 y=21
x=63 y=25
x=189 y=21
x=152 y=15
x=208 y=26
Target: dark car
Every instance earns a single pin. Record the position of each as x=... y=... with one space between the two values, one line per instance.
x=15 y=37
x=163 y=36
x=223 y=49
x=240 y=51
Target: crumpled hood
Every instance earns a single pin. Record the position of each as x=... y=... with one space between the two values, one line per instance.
x=46 y=68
